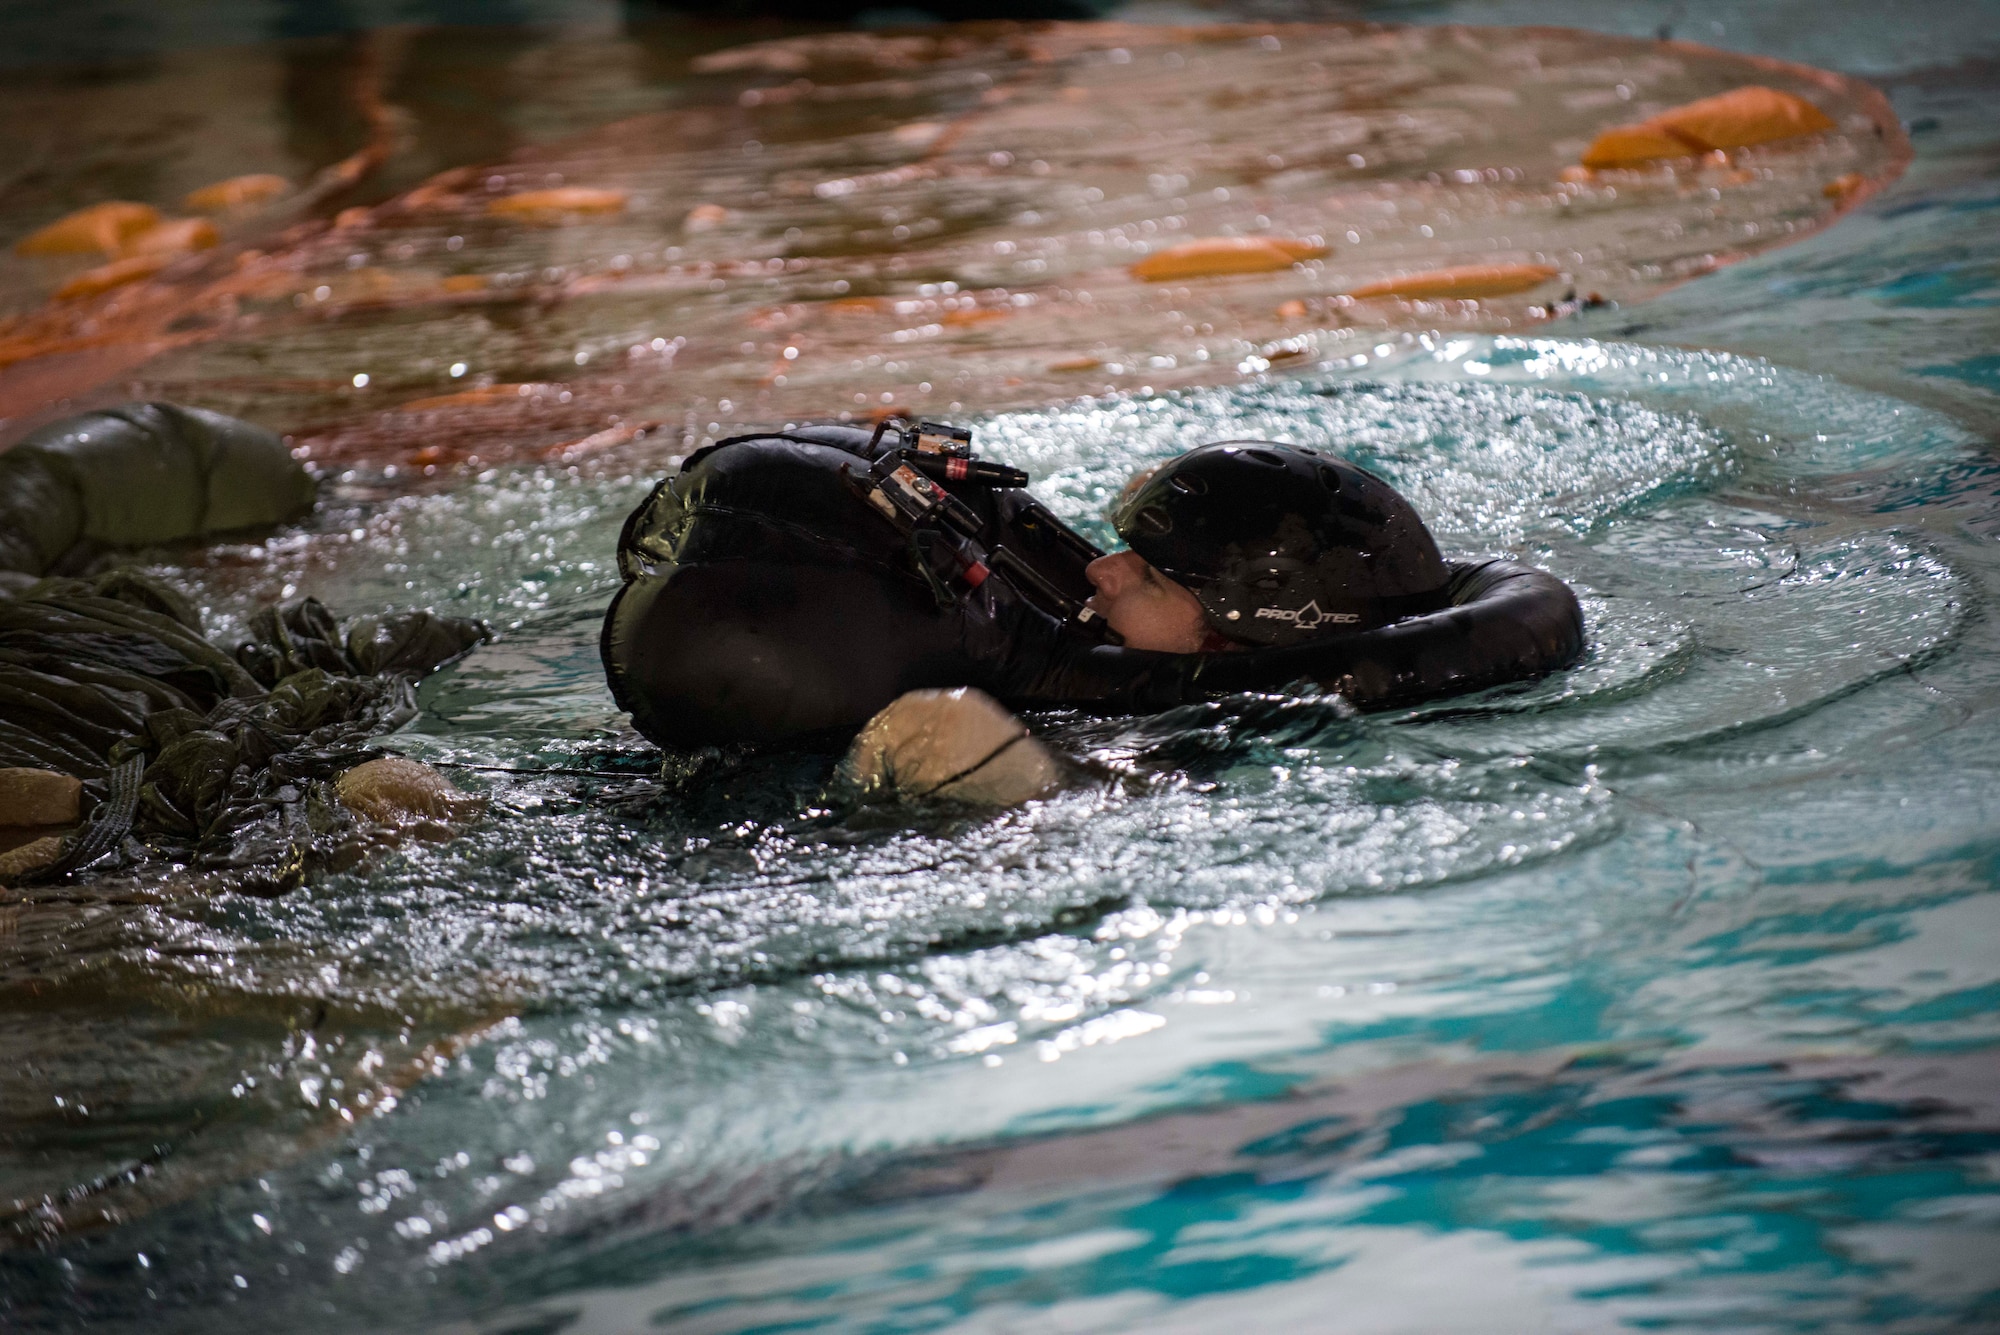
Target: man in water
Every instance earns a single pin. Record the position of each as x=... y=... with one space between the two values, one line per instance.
x=1253 y=543
x=791 y=588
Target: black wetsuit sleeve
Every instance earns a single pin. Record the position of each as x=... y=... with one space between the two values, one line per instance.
x=1506 y=622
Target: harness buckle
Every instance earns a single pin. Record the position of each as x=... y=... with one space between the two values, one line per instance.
x=939 y=438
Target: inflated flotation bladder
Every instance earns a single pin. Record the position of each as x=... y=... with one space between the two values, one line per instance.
x=781 y=588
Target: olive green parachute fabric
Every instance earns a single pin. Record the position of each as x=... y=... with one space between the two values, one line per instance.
x=210 y=759
x=137 y=475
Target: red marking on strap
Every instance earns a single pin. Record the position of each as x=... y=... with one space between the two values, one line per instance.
x=956 y=470
x=975 y=575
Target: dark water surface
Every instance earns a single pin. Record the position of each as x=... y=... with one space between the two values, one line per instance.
x=1661 y=994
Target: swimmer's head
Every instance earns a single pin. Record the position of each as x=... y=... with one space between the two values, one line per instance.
x=1270 y=544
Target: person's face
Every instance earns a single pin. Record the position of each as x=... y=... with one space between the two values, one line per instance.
x=1145 y=607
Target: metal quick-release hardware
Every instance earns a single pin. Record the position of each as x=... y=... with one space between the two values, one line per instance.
x=956 y=468
x=904 y=494
x=909 y=498
x=939 y=438
x=914 y=503
x=945 y=532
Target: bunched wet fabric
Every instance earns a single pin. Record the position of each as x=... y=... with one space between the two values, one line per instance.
x=217 y=761
x=766 y=601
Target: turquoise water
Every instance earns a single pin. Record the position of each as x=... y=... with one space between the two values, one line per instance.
x=1657 y=993
x=1661 y=994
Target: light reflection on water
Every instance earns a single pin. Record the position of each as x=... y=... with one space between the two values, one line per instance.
x=1585 y=992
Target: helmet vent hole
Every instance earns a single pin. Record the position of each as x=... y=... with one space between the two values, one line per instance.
x=1266 y=457
x=1328 y=478
x=1193 y=486
x=1155 y=520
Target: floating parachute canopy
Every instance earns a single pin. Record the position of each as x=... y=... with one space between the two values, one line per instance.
x=238 y=192
x=940 y=216
x=138 y=475
x=555 y=205
x=1217 y=255
x=106 y=227
x=1467 y=282
x=1739 y=118
x=175 y=236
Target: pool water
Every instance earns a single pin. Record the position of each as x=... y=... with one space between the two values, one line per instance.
x=1658 y=994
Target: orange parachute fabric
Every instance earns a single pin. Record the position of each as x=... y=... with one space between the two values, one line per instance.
x=1736 y=119
x=1216 y=255
x=106 y=227
x=1465 y=282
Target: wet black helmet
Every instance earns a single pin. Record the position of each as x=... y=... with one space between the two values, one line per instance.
x=1281 y=543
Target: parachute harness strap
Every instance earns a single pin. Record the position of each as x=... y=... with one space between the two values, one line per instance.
x=108 y=825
